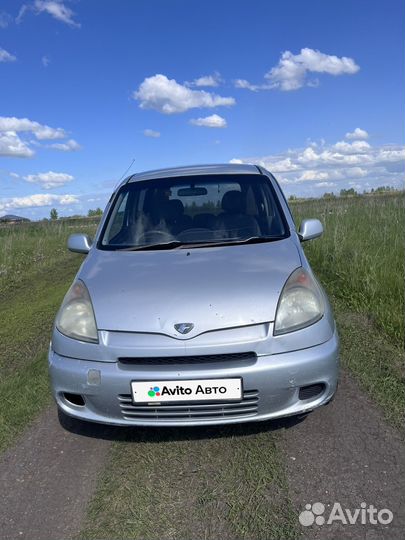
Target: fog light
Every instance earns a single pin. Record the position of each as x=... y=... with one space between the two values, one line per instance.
x=74 y=399
x=94 y=377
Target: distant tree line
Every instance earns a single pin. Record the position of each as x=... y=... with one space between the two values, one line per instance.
x=351 y=192
x=94 y=213
x=91 y=213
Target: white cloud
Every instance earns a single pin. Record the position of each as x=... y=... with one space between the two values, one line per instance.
x=292 y=70
x=313 y=175
x=285 y=165
x=325 y=184
x=23 y=10
x=320 y=165
x=31 y=201
x=358 y=172
x=5 y=19
x=45 y=60
x=69 y=146
x=12 y=143
x=243 y=83
x=55 y=8
x=358 y=133
x=151 y=133
x=95 y=199
x=49 y=180
x=213 y=121
x=12 y=146
x=207 y=80
x=356 y=147
x=169 y=97
x=40 y=131
x=5 y=56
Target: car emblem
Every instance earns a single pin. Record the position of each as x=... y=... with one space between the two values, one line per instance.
x=184 y=328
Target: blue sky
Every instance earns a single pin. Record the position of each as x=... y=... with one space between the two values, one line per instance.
x=313 y=90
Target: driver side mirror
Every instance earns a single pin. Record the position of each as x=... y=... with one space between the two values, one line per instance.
x=79 y=243
x=310 y=229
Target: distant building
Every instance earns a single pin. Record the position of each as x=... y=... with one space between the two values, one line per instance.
x=10 y=218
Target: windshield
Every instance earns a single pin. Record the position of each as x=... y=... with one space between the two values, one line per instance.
x=193 y=210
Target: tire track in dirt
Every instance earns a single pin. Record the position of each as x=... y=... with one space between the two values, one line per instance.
x=46 y=480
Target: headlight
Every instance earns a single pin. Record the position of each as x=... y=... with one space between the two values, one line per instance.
x=75 y=318
x=300 y=304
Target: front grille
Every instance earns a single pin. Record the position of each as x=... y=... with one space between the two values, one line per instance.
x=202 y=359
x=245 y=407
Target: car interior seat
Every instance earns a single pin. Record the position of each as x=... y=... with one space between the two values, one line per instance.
x=233 y=220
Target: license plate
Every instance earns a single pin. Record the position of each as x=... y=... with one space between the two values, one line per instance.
x=186 y=390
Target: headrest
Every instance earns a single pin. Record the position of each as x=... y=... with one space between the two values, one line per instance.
x=232 y=202
x=172 y=209
x=177 y=206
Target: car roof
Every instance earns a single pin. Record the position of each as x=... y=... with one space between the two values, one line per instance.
x=195 y=170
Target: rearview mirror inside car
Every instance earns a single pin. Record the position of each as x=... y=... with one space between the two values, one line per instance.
x=192 y=191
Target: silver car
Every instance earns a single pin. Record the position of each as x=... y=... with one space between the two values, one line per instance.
x=195 y=305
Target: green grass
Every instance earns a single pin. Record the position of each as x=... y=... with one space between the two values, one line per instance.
x=28 y=247
x=376 y=363
x=31 y=291
x=360 y=257
x=193 y=483
x=360 y=261
x=22 y=396
x=24 y=334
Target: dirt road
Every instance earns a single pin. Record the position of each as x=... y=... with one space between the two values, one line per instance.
x=46 y=480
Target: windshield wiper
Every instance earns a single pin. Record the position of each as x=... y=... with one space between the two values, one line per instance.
x=177 y=244
x=168 y=245
x=258 y=239
x=251 y=240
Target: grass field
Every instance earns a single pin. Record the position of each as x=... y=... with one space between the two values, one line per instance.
x=238 y=490
x=27 y=248
x=360 y=259
x=360 y=262
x=35 y=271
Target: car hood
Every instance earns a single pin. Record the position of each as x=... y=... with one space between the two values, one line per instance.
x=212 y=288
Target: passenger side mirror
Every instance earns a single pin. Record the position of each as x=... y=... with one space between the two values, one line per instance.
x=310 y=229
x=79 y=243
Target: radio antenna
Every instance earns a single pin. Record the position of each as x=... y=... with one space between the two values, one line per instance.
x=132 y=162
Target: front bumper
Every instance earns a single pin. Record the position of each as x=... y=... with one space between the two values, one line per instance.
x=271 y=386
